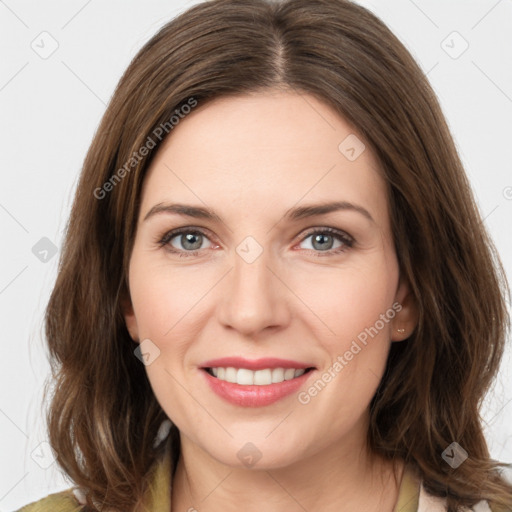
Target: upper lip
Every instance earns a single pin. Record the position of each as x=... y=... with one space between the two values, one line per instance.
x=254 y=364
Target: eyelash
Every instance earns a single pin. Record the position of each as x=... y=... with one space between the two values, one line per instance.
x=347 y=241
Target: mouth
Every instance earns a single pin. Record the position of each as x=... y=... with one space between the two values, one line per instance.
x=262 y=377
x=258 y=387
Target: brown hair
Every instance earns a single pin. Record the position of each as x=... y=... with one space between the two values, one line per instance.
x=104 y=416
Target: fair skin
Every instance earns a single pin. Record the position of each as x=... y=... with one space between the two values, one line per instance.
x=250 y=159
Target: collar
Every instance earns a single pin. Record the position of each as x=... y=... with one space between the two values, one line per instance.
x=157 y=496
x=409 y=491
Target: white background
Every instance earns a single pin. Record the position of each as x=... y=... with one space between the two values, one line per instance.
x=51 y=107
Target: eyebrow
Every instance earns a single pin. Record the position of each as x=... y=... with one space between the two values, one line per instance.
x=293 y=214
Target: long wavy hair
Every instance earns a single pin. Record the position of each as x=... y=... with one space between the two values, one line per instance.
x=103 y=415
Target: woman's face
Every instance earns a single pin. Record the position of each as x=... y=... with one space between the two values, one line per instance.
x=254 y=280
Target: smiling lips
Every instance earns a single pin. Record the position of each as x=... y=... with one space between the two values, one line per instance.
x=254 y=383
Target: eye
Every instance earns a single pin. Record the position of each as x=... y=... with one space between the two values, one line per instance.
x=185 y=241
x=323 y=241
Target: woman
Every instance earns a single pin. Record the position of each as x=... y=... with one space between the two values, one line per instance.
x=276 y=287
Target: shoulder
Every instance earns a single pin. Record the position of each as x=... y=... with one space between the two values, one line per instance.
x=429 y=503
x=64 y=501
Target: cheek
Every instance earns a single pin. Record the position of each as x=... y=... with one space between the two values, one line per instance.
x=348 y=300
x=162 y=297
x=166 y=303
x=356 y=305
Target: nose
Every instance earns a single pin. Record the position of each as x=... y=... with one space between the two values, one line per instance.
x=254 y=297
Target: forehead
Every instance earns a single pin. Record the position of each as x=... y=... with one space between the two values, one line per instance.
x=264 y=152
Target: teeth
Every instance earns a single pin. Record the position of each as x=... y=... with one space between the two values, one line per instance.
x=246 y=377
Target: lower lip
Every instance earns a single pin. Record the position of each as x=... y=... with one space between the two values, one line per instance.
x=252 y=395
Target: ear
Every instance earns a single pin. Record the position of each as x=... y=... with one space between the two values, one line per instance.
x=406 y=318
x=129 y=316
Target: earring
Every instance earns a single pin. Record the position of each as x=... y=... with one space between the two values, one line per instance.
x=400 y=331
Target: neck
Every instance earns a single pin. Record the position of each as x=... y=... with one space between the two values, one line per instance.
x=337 y=479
